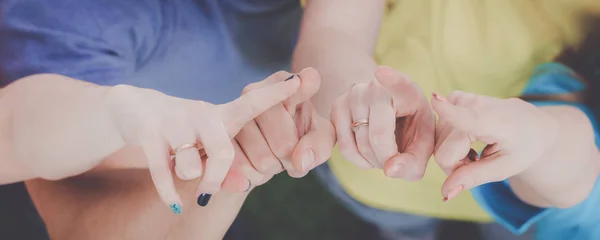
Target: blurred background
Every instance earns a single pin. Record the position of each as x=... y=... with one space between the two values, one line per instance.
x=294 y=209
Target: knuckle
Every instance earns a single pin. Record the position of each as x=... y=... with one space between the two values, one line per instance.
x=358 y=89
x=249 y=88
x=362 y=164
x=224 y=153
x=284 y=148
x=346 y=147
x=378 y=135
x=266 y=164
x=416 y=174
x=281 y=75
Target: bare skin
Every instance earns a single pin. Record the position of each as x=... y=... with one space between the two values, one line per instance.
x=120 y=202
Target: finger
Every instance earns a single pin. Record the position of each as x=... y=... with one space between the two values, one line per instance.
x=462 y=118
x=256 y=148
x=242 y=176
x=493 y=168
x=359 y=109
x=157 y=153
x=183 y=141
x=277 y=77
x=220 y=152
x=453 y=151
x=279 y=130
x=237 y=113
x=310 y=83
x=418 y=139
x=271 y=125
x=342 y=121
x=382 y=124
x=314 y=148
x=407 y=97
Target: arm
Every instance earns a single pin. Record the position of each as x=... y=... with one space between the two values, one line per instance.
x=72 y=45
x=561 y=180
x=55 y=118
x=563 y=183
x=338 y=38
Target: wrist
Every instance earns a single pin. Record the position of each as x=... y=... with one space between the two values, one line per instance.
x=565 y=174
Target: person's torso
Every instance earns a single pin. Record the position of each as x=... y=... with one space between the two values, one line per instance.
x=209 y=50
x=487 y=47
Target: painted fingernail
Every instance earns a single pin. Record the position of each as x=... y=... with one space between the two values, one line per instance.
x=472 y=155
x=290 y=77
x=453 y=193
x=176 y=208
x=439 y=97
x=308 y=159
x=203 y=199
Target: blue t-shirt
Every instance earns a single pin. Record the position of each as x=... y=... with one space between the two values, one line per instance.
x=197 y=49
x=581 y=222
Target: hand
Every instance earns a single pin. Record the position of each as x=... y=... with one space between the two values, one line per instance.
x=517 y=135
x=290 y=135
x=400 y=131
x=160 y=124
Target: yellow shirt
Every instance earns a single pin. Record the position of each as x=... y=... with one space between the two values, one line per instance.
x=488 y=47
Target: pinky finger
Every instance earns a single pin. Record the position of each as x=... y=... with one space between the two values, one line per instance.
x=157 y=155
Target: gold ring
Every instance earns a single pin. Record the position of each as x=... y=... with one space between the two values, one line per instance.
x=358 y=123
x=183 y=147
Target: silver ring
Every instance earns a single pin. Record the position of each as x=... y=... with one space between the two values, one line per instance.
x=358 y=123
x=249 y=185
x=183 y=147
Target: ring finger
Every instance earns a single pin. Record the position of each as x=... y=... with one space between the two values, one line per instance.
x=184 y=150
x=359 y=110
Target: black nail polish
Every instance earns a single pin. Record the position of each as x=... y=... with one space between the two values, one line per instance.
x=290 y=77
x=203 y=199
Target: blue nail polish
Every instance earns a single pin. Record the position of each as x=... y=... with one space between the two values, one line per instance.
x=203 y=199
x=176 y=208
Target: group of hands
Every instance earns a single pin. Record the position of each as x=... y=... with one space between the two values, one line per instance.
x=274 y=127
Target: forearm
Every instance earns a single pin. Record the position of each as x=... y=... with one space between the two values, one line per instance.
x=338 y=38
x=341 y=65
x=561 y=180
x=58 y=119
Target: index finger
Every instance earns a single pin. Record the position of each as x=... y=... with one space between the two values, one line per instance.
x=237 y=113
x=406 y=96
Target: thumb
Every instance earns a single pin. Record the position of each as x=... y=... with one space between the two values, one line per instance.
x=310 y=82
x=494 y=168
x=237 y=113
x=314 y=147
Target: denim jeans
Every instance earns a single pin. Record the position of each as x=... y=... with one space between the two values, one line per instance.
x=396 y=225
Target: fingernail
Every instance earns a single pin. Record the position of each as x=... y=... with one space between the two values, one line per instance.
x=439 y=97
x=472 y=155
x=452 y=194
x=203 y=199
x=290 y=77
x=176 y=208
x=308 y=158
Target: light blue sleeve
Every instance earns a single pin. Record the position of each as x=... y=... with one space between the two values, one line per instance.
x=498 y=199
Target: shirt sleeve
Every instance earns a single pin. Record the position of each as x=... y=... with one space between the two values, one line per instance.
x=498 y=199
x=63 y=37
